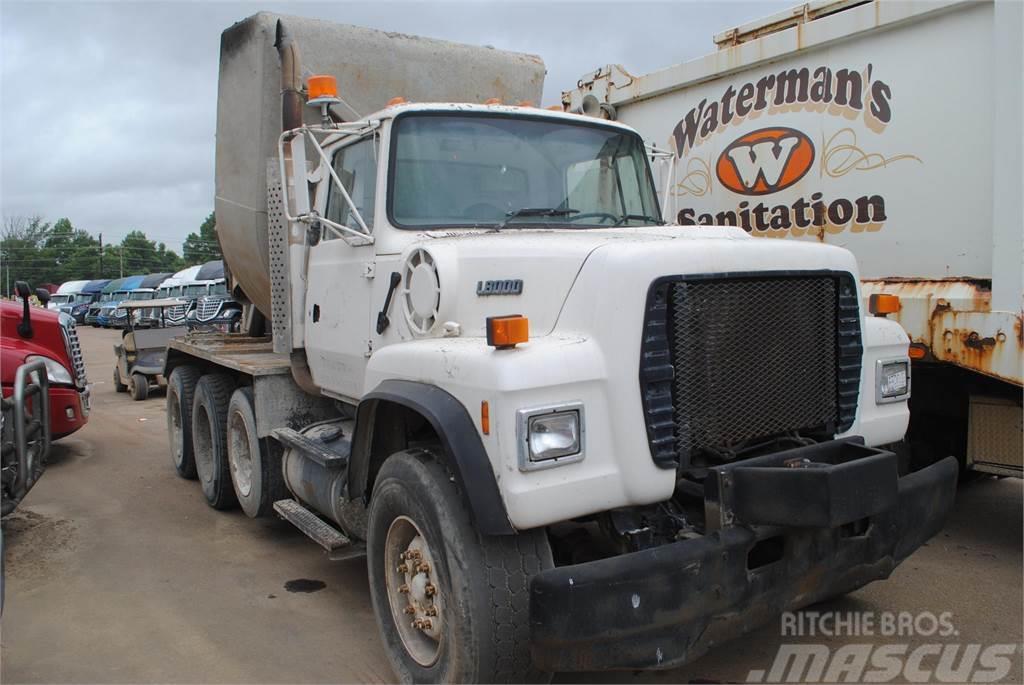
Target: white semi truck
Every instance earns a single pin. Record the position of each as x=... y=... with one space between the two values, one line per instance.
x=566 y=434
x=892 y=129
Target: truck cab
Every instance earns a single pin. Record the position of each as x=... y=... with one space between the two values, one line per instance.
x=566 y=433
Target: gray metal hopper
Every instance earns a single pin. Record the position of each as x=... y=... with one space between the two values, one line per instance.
x=371 y=67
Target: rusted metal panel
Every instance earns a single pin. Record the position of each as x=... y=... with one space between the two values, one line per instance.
x=954 y=320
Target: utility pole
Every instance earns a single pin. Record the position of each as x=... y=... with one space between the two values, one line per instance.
x=122 y=260
x=101 y=256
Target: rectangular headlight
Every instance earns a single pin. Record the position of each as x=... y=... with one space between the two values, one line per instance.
x=892 y=377
x=549 y=436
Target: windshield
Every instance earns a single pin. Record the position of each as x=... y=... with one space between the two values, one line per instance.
x=141 y=296
x=219 y=289
x=195 y=290
x=83 y=298
x=501 y=171
x=60 y=299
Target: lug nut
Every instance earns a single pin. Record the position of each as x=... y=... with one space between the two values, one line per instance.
x=430 y=590
x=426 y=624
x=410 y=610
x=403 y=568
x=424 y=567
x=403 y=588
x=431 y=611
x=418 y=623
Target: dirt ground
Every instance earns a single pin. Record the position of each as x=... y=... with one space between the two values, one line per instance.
x=118 y=571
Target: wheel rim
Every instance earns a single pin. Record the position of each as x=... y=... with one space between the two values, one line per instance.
x=177 y=433
x=240 y=454
x=413 y=590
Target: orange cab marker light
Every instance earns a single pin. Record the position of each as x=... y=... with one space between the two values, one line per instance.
x=555 y=108
x=525 y=103
x=485 y=417
x=396 y=101
x=492 y=101
x=322 y=86
x=917 y=351
x=881 y=304
x=504 y=332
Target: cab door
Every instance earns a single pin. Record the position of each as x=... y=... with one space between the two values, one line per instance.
x=338 y=290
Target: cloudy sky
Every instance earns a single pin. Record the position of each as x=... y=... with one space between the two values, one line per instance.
x=107 y=109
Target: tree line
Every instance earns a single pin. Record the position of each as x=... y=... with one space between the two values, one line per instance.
x=39 y=252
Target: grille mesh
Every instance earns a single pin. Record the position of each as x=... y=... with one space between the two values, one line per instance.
x=74 y=348
x=752 y=358
x=208 y=308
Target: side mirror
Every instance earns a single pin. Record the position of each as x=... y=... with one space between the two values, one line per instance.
x=25 y=327
x=43 y=294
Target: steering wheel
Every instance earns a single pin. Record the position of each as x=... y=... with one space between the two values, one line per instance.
x=590 y=215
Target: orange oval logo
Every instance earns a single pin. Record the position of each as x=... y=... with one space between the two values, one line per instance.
x=765 y=161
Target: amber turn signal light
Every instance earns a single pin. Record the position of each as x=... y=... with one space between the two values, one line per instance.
x=485 y=417
x=322 y=86
x=917 y=351
x=881 y=304
x=507 y=331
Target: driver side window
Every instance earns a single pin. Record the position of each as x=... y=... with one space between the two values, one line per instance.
x=356 y=166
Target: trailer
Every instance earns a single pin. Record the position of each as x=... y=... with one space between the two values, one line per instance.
x=474 y=352
x=892 y=129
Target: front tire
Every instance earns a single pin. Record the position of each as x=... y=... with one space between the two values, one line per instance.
x=139 y=387
x=209 y=439
x=464 y=616
x=255 y=463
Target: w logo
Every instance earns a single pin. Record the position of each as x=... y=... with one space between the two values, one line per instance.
x=765 y=161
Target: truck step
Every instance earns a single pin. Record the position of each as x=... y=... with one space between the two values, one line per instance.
x=318 y=530
x=317 y=450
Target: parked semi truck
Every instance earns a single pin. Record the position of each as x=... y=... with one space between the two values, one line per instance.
x=821 y=124
x=565 y=434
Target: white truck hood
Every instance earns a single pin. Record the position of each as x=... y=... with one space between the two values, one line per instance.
x=615 y=262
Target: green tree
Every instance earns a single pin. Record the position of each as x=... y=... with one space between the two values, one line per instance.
x=202 y=247
x=21 y=259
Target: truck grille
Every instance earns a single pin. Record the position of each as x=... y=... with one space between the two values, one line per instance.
x=176 y=312
x=74 y=349
x=208 y=307
x=727 y=361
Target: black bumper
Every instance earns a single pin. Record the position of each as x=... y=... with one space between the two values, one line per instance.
x=668 y=605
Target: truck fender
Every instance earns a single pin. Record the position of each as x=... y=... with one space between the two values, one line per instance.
x=462 y=450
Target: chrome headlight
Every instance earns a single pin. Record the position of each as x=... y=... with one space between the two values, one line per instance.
x=550 y=436
x=120 y=312
x=892 y=380
x=55 y=371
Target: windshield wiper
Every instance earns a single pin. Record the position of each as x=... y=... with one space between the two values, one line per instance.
x=638 y=217
x=535 y=211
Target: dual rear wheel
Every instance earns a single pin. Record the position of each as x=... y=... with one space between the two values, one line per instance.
x=212 y=427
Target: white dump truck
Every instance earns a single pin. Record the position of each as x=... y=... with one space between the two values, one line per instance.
x=566 y=434
x=892 y=129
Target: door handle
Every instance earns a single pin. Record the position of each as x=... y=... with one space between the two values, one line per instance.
x=382 y=316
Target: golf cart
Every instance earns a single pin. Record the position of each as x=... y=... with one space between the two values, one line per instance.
x=140 y=356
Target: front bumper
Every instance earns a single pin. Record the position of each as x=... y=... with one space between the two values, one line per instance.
x=668 y=605
x=69 y=410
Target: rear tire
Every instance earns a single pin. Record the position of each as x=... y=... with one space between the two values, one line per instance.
x=181 y=389
x=119 y=385
x=209 y=439
x=255 y=463
x=139 y=387
x=479 y=630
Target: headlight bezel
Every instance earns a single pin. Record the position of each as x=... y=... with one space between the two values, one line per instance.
x=53 y=369
x=881 y=397
x=526 y=419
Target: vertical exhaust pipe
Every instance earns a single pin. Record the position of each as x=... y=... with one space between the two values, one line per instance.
x=291 y=78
